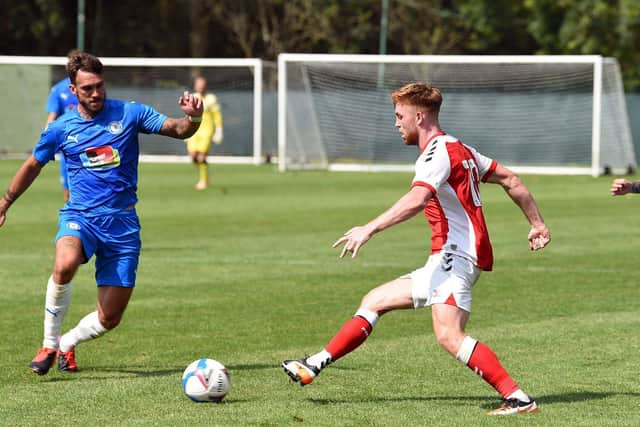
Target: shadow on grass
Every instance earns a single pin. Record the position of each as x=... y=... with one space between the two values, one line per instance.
x=109 y=373
x=94 y=372
x=577 y=396
x=400 y=399
x=488 y=402
x=582 y=396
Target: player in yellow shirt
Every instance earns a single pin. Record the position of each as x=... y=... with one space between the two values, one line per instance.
x=210 y=131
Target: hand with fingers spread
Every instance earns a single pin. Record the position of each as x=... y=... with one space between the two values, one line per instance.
x=539 y=237
x=191 y=104
x=353 y=240
x=621 y=186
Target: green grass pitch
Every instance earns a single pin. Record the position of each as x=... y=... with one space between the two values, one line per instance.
x=244 y=273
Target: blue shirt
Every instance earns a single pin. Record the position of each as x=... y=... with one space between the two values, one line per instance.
x=101 y=154
x=61 y=99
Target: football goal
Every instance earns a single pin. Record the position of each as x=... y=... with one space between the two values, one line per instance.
x=237 y=83
x=536 y=114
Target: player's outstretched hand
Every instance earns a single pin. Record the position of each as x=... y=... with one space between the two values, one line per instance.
x=191 y=104
x=539 y=237
x=620 y=186
x=353 y=240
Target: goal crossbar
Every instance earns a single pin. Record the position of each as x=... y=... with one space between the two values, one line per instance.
x=596 y=62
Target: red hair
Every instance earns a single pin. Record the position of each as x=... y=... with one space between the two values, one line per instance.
x=421 y=95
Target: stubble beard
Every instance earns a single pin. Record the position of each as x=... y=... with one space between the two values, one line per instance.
x=91 y=109
x=411 y=138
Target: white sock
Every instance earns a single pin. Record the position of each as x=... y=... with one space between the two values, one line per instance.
x=319 y=360
x=466 y=349
x=520 y=395
x=88 y=328
x=57 y=301
x=368 y=315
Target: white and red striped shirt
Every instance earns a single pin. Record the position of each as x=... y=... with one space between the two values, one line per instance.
x=453 y=171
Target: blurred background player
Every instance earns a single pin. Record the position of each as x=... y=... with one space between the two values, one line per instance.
x=61 y=100
x=446 y=188
x=210 y=131
x=99 y=141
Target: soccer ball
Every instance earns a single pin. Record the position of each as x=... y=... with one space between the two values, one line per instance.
x=205 y=380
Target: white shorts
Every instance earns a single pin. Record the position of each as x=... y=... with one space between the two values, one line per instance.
x=445 y=279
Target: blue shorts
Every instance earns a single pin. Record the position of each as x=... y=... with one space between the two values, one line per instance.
x=114 y=239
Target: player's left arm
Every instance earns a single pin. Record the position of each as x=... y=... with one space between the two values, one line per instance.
x=186 y=126
x=406 y=207
x=539 y=235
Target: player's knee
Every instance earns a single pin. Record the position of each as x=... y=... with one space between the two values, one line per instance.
x=375 y=301
x=449 y=339
x=110 y=320
x=63 y=272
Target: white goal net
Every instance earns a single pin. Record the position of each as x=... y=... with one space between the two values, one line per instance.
x=158 y=82
x=537 y=114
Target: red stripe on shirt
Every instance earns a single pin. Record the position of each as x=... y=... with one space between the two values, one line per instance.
x=439 y=224
x=424 y=184
x=491 y=170
x=459 y=180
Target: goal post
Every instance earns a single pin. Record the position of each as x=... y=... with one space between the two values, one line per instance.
x=237 y=83
x=537 y=114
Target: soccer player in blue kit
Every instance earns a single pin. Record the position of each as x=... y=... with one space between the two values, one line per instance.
x=99 y=141
x=60 y=101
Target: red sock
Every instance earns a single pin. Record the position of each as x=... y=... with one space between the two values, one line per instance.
x=485 y=363
x=349 y=337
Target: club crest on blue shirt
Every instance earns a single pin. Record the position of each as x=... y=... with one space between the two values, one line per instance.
x=115 y=127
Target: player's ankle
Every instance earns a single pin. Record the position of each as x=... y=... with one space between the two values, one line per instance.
x=319 y=360
x=520 y=395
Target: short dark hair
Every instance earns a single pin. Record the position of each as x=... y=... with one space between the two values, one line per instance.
x=421 y=95
x=77 y=60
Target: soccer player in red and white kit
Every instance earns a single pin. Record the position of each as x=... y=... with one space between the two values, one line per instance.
x=446 y=187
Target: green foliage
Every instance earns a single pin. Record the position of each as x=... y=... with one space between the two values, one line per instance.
x=244 y=273
x=608 y=28
x=249 y=28
x=496 y=26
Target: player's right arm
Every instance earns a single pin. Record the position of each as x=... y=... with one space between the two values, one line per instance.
x=432 y=168
x=43 y=152
x=406 y=207
x=539 y=235
x=27 y=173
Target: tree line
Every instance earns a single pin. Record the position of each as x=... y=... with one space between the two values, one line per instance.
x=265 y=28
